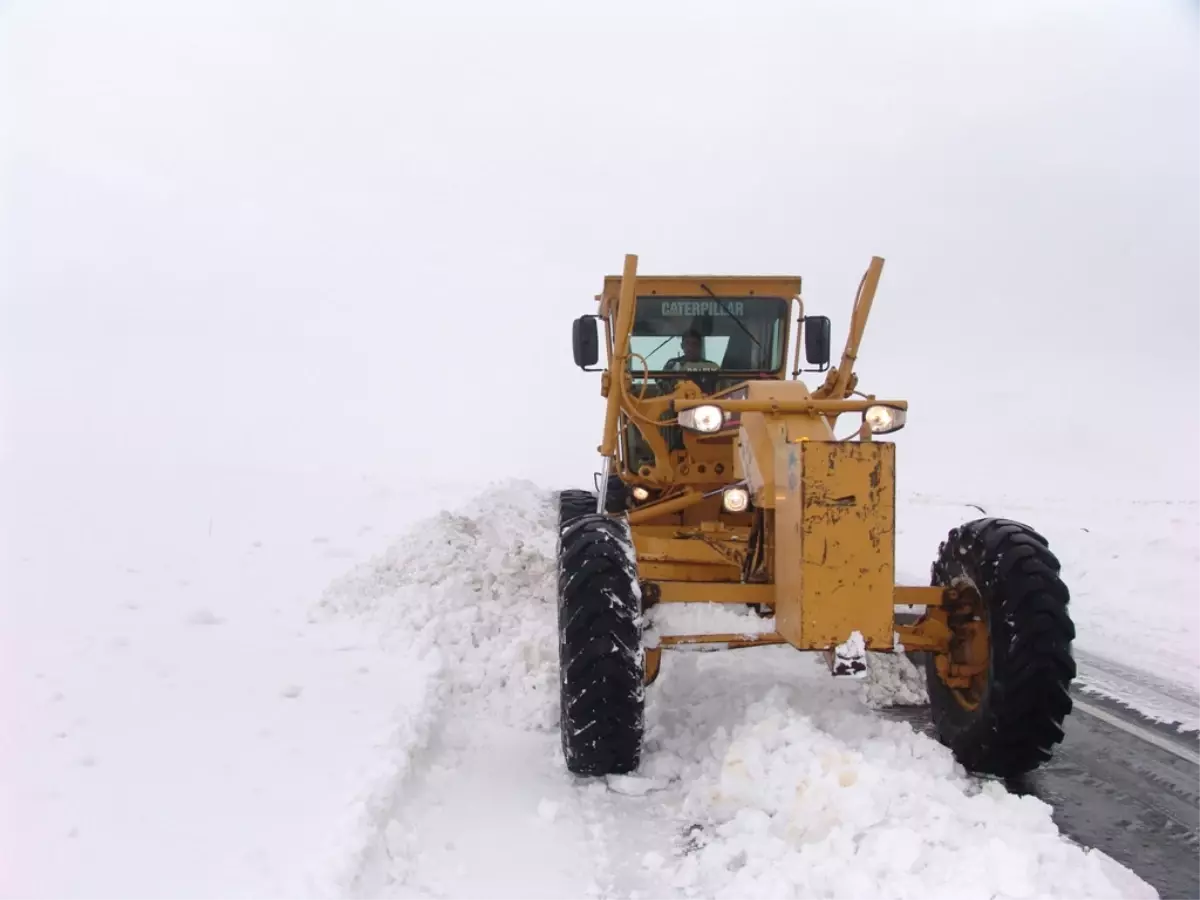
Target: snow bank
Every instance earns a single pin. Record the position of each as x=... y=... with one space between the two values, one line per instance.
x=802 y=793
x=476 y=593
x=470 y=594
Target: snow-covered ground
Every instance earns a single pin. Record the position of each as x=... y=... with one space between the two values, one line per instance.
x=285 y=285
x=186 y=684
x=176 y=721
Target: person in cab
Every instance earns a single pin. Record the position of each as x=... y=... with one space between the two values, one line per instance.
x=693 y=355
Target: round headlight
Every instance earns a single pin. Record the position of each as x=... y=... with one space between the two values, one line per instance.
x=702 y=418
x=884 y=419
x=640 y=493
x=736 y=499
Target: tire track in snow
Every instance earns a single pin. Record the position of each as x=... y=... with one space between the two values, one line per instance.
x=367 y=855
x=485 y=802
x=489 y=809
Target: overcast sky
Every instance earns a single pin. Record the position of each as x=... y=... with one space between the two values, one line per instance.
x=354 y=235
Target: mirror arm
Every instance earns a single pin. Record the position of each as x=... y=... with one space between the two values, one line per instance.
x=799 y=337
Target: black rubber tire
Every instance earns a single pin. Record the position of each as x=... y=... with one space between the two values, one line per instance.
x=1019 y=718
x=601 y=662
x=572 y=504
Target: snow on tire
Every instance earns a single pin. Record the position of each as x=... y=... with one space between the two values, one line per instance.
x=1019 y=717
x=601 y=663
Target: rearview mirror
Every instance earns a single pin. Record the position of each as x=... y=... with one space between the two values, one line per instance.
x=816 y=340
x=585 y=341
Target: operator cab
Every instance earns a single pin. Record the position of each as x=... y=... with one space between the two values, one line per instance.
x=686 y=333
x=715 y=342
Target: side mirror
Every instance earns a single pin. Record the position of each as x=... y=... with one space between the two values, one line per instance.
x=585 y=341
x=816 y=340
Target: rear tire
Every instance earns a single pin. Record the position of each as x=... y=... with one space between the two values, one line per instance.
x=1025 y=698
x=601 y=662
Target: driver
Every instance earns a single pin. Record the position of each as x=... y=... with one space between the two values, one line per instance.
x=693 y=355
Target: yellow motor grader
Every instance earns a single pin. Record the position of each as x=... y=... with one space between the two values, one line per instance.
x=723 y=481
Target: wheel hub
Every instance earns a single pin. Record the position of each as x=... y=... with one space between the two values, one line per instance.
x=964 y=667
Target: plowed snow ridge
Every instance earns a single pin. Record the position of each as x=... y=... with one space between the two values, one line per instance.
x=762 y=775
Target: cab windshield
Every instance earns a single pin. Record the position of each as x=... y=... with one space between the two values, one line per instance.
x=726 y=334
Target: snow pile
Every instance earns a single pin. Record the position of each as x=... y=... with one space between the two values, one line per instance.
x=893 y=680
x=791 y=789
x=476 y=594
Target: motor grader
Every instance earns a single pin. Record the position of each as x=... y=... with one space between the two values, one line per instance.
x=725 y=479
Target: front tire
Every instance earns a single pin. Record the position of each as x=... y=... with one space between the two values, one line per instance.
x=1008 y=723
x=601 y=663
x=572 y=504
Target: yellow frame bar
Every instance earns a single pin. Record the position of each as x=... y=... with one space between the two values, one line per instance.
x=733 y=640
x=701 y=592
x=790 y=406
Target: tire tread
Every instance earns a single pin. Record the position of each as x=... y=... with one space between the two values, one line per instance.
x=1020 y=719
x=601 y=665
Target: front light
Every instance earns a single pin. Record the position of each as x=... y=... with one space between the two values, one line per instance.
x=735 y=499
x=640 y=494
x=702 y=418
x=884 y=419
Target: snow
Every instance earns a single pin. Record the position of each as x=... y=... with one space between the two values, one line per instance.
x=798 y=792
x=470 y=589
x=892 y=680
x=285 y=379
x=387 y=735
x=790 y=783
x=165 y=687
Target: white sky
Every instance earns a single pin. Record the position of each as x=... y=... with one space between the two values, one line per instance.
x=354 y=235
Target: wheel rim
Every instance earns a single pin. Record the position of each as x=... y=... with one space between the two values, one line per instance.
x=967 y=663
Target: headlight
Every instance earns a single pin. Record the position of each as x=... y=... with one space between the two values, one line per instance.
x=736 y=499
x=640 y=494
x=702 y=418
x=884 y=419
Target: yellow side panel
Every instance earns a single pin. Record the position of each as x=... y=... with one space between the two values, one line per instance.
x=789 y=542
x=835 y=552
